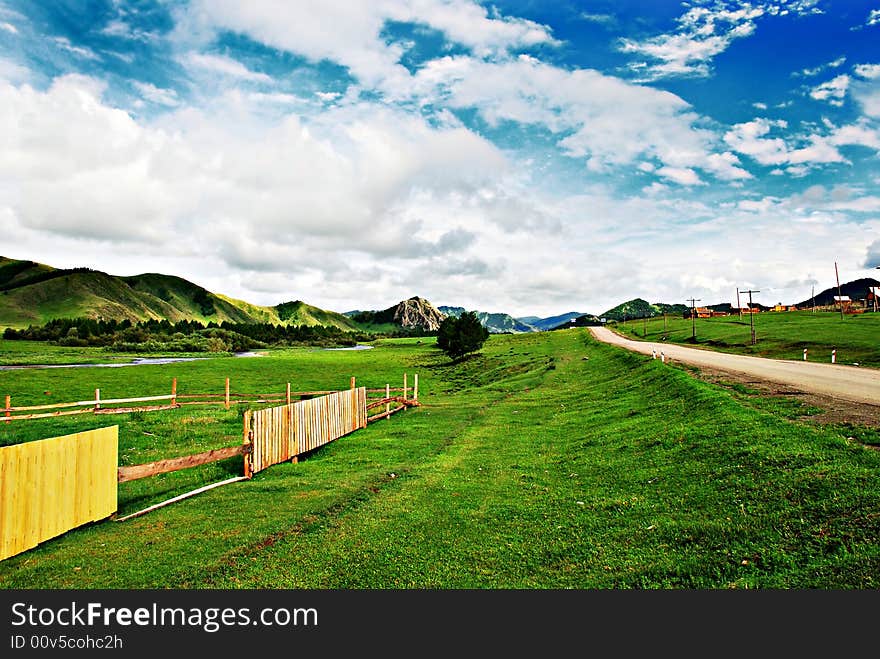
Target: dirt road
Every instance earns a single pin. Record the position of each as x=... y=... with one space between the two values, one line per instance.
x=852 y=383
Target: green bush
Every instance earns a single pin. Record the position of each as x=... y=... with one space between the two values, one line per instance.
x=461 y=336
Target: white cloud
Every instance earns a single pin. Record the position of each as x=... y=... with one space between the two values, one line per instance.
x=225 y=66
x=350 y=34
x=753 y=139
x=870 y=71
x=874 y=17
x=602 y=119
x=122 y=30
x=866 y=90
x=363 y=185
x=703 y=34
x=79 y=51
x=833 y=91
x=681 y=175
x=9 y=27
x=598 y=18
x=149 y=91
x=872 y=259
x=810 y=72
x=13 y=72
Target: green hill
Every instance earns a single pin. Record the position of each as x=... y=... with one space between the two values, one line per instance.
x=34 y=293
x=637 y=308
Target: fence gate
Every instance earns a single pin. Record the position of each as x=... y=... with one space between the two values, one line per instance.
x=50 y=486
x=281 y=433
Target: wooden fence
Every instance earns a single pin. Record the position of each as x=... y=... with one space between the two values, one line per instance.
x=283 y=433
x=170 y=401
x=50 y=486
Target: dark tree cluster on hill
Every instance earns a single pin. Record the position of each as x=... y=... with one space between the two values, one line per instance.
x=461 y=336
x=182 y=336
x=8 y=273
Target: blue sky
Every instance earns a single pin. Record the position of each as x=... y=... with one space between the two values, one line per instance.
x=526 y=157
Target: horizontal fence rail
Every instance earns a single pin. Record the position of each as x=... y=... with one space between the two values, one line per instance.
x=173 y=400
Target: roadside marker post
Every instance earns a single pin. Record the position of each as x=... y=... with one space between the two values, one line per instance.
x=805 y=354
x=833 y=356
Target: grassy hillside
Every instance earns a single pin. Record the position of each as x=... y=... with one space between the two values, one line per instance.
x=33 y=293
x=300 y=313
x=546 y=461
x=782 y=335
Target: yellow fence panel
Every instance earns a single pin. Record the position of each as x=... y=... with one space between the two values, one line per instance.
x=281 y=433
x=50 y=486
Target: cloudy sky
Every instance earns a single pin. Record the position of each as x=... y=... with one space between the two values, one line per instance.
x=521 y=156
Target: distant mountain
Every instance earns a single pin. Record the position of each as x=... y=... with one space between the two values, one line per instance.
x=34 y=293
x=855 y=290
x=637 y=308
x=496 y=323
x=584 y=320
x=551 y=322
x=415 y=313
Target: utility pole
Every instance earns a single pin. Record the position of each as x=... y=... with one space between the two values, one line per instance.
x=839 y=294
x=693 y=301
x=738 y=308
x=752 y=315
x=813 y=295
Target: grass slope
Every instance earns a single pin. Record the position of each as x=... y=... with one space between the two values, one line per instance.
x=782 y=335
x=547 y=461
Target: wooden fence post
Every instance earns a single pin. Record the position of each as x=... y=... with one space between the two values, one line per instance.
x=97 y=399
x=404 y=387
x=416 y=387
x=352 y=382
x=248 y=439
x=8 y=406
x=288 y=393
x=226 y=399
x=174 y=391
x=387 y=396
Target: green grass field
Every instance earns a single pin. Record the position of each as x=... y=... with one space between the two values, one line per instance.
x=547 y=461
x=780 y=335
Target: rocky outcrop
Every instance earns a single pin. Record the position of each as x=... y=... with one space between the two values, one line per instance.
x=417 y=312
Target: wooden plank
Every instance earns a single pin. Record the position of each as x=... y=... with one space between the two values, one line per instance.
x=145 y=408
x=50 y=486
x=89 y=403
x=181 y=497
x=47 y=415
x=135 y=472
x=382 y=415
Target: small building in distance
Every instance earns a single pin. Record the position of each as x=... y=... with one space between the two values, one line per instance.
x=703 y=312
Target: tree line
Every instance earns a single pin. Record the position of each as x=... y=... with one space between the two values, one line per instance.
x=182 y=336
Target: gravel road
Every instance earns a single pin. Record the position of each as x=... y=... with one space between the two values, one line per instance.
x=853 y=383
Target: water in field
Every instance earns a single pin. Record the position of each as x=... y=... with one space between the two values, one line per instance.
x=137 y=361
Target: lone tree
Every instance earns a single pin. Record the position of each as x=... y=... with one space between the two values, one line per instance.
x=461 y=336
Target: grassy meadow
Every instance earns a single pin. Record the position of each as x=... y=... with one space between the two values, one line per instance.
x=546 y=461
x=780 y=335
